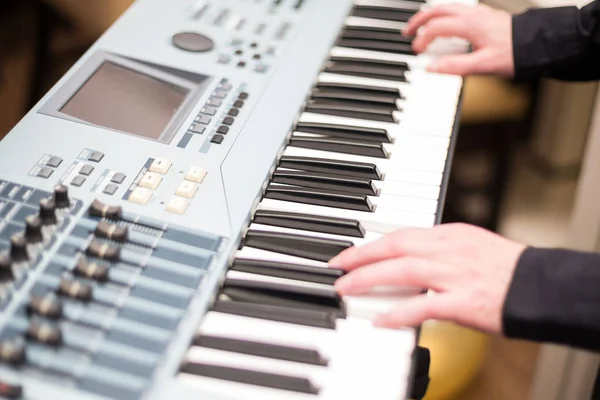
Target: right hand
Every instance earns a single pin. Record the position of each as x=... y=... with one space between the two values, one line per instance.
x=488 y=30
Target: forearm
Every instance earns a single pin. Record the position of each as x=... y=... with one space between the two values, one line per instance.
x=555 y=297
x=561 y=42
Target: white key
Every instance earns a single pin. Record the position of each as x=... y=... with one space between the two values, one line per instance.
x=433 y=160
x=360 y=22
x=390 y=4
x=409 y=189
x=259 y=254
x=382 y=221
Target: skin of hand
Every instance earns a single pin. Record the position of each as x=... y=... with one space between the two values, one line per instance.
x=468 y=268
x=488 y=30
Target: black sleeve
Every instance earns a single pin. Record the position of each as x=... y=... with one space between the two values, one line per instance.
x=554 y=296
x=560 y=42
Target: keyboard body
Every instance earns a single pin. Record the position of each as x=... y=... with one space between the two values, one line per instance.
x=208 y=169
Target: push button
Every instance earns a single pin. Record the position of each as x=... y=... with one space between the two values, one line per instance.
x=54 y=162
x=78 y=181
x=160 y=166
x=187 y=189
x=233 y=112
x=118 y=177
x=45 y=172
x=197 y=128
x=202 y=119
x=238 y=104
x=110 y=189
x=223 y=130
x=228 y=121
x=218 y=139
x=86 y=170
x=140 y=196
x=195 y=174
x=150 y=180
x=96 y=156
x=177 y=205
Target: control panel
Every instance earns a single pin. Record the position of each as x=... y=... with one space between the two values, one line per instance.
x=125 y=191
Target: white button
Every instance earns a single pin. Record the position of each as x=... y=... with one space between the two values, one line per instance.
x=150 y=180
x=195 y=174
x=140 y=196
x=187 y=189
x=160 y=165
x=177 y=205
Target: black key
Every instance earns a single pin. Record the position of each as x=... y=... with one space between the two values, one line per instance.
x=275 y=381
x=364 y=134
x=367 y=96
x=276 y=351
x=376 y=45
x=320 y=198
x=351 y=111
x=315 y=223
x=400 y=65
x=388 y=90
x=312 y=248
x=338 y=167
x=361 y=33
x=366 y=71
x=335 y=145
x=305 y=273
x=364 y=106
x=319 y=319
x=382 y=13
x=293 y=297
x=319 y=180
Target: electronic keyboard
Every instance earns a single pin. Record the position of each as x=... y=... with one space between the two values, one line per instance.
x=168 y=208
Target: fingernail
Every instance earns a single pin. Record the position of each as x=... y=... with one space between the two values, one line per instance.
x=435 y=67
x=335 y=262
x=343 y=285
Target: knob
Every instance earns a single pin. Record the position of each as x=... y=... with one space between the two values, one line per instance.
x=47 y=212
x=61 y=196
x=33 y=229
x=18 y=248
x=6 y=272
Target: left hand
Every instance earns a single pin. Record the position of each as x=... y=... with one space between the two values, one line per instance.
x=469 y=268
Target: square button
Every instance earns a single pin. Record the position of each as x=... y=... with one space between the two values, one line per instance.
x=78 y=181
x=261 y=68
x=225 y=86
x=195 y=174
x=238 y=104
x=197 y=128
x=202 y=119
x=221 y=94
x=223 y=59
x=150 y=180
x=160 y=166
x=228 y=121
x=243 y=96
x=214 y=102
x=45 y=172
x=110 y=189
x=140 y=196
x=96 y=156
x=187 y=189
x=218 y=139
x=208 y=110
x=118 y=177
x=54 y=162
x=86 y=170
x=233 y=112
x=177 y=205
x=223 y=129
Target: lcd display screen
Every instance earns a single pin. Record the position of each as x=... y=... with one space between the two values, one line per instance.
x=119 y=98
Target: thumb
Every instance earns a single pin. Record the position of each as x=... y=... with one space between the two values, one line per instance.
x=459 y=64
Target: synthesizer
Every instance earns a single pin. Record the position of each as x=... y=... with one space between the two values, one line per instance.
x=168 y=208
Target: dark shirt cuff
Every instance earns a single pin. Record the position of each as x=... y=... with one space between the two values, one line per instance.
x=554 y=296
x=544 y=37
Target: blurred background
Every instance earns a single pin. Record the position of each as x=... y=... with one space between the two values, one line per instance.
x=516 y=166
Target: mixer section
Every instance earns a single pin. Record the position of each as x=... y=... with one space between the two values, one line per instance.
x=96 y=310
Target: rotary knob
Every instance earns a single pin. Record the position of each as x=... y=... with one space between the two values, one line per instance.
x=47 y=212
x=18 y=248
x=33 y=229
x=6 y=272
x=61 y=196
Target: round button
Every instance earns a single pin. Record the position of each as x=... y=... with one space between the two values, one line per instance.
x=194 y=42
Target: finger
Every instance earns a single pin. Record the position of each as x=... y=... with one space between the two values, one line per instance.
x=408 y=241
x=423 y=17
x=441 y=27
x=417 y=309
x=406 y=271
x=461 y=64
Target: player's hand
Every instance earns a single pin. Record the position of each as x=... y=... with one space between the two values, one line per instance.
x=469 y=268
x=488 y=30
